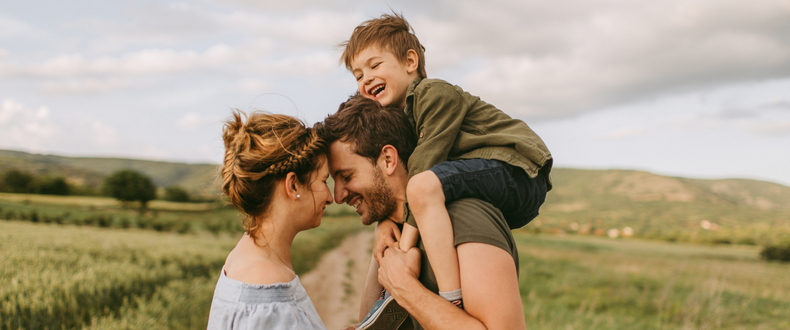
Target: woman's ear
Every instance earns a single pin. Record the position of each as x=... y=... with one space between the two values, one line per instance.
x=388 y=159
x=291 y=186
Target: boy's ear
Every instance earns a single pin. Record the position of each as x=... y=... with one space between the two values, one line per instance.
x=412 y=61
x=388 y=159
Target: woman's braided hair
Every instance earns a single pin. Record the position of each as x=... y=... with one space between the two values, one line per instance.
x=259 y=153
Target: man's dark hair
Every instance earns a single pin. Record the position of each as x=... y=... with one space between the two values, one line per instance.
x=369 y=127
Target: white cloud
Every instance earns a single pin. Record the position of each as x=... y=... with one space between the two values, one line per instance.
x=781 y=128
x=623 y=133
x=253 y=85
x=103 y=135
x=82 y=86
x=21 y=126
x=147 y=61
x=12 y=27
x=548 y=59
x=192 y=121
x=36 y=130
x=307 y=65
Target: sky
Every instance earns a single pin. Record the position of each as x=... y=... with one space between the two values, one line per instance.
x=691 y=88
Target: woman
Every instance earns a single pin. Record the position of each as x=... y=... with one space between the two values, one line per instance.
x=274 y=172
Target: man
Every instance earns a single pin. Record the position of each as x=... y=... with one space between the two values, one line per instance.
x=369 y=150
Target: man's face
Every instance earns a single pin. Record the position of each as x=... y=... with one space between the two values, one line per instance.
x=382 y=77
x=360 y=183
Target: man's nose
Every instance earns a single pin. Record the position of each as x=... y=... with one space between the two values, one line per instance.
x=340 y=193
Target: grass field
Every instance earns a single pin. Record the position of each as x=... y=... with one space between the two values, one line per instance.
x=584 y=282
x=215 y=217
x=89 y=274
x=69 y=277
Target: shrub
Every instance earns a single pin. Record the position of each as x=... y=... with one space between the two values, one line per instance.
x=776 y=252
x=176 y=194
x=128 y=186
x=16 y=181
x=53 y=186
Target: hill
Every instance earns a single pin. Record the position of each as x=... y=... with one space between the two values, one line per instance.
x=673 y=208
x=90 y=171
x=582 y=201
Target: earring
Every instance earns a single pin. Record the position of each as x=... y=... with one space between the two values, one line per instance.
x=297 y=196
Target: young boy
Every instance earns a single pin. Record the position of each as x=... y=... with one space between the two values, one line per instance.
x=466 y=148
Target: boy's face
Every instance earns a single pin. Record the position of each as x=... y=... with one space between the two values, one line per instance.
x=382 y=77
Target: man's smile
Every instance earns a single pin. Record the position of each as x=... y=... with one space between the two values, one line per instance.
x=355 y=202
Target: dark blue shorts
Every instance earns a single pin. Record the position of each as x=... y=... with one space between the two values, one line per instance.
x=507 y=187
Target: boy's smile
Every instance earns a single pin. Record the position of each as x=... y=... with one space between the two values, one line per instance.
x=382 y=77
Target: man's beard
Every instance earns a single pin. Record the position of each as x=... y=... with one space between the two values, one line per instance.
x=380 y=202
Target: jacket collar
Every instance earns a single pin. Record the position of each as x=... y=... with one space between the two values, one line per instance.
x=410 y=91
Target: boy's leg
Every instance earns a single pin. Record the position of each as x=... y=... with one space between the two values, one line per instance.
x=426 y=202
x=507 y=187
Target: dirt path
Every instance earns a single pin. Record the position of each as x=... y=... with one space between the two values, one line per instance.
x=335 y=285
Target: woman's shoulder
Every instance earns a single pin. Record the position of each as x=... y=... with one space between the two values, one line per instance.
x=254 y=269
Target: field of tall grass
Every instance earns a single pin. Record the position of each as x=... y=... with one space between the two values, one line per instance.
x=88 y=277
x=84 y=273
x=584 y=282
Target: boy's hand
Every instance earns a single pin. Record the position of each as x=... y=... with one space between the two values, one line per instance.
x=387 y=235
x=398 y=268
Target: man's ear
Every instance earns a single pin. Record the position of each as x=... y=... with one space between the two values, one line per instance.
x=412 y=61
x=290 y=184
x=388 y=159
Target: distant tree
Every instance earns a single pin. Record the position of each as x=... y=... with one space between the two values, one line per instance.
x=53 y=186
x=176 y=194
x=16 y=181
x=776 y=252
x=128 y=186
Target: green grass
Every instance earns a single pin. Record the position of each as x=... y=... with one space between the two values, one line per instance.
x=582 y=282
x=92 y=263
x=69 y=277
x=106 y=212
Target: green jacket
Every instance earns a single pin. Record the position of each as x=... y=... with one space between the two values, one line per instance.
x=452 y=124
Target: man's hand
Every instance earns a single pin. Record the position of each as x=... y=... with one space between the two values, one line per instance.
x=398 y=269
x=387 y=235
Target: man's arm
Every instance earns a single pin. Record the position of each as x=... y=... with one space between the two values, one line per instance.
x=489 y=281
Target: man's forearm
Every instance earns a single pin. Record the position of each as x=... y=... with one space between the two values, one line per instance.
x=371 y=291
x=430 y=310
x=397 y=275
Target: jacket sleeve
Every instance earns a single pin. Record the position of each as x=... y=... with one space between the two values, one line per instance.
x=439 y=111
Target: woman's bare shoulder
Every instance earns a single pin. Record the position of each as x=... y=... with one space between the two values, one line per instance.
x=253 y=268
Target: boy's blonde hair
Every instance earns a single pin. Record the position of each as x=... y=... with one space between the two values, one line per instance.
x=389 y=33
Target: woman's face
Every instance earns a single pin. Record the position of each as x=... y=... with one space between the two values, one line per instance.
x=320 y=194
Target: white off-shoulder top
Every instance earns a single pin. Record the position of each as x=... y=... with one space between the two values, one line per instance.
x=279 y=306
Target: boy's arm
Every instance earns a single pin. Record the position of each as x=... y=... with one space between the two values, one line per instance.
x=438 y=110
